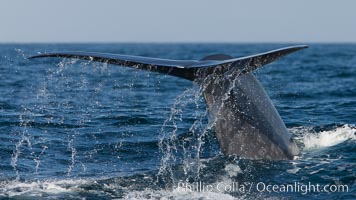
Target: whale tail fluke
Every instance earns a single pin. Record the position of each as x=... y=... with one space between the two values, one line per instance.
x=182 y=68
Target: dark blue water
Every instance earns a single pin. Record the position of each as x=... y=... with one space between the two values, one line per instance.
x=75 y=129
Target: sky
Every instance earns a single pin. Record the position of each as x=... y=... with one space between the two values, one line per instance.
x=231 y=21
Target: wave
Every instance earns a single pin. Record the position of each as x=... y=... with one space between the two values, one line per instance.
x=215 y=170
x=177 y=194
x=36 y=189
x=73 y=189
x=313 y=139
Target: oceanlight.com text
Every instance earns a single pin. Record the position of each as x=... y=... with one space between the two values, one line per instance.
x=248 y=187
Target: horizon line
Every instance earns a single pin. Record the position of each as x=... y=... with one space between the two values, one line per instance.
x=177 y=42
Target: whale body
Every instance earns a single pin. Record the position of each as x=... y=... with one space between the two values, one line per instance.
x=245 y=121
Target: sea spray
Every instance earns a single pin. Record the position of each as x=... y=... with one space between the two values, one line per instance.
x=190 y=144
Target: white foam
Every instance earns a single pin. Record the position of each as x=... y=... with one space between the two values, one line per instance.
x=328 y=138
x=293 y=170
x=177 y=194
x=37 y=188
x=233 y=169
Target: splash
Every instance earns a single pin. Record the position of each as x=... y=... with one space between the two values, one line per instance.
x=17 y=189
x=73 y=151
x=216 y=191
x=177 y=194
x=191 y=145
x=24 y=142
x=233 y=170
x=21 y=53
x=329 y=138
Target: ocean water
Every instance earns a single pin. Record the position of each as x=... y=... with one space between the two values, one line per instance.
x=72 y=129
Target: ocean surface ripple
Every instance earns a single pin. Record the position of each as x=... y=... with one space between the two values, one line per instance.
x=72 y=129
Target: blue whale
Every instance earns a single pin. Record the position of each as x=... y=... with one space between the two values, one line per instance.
x=245 y=121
